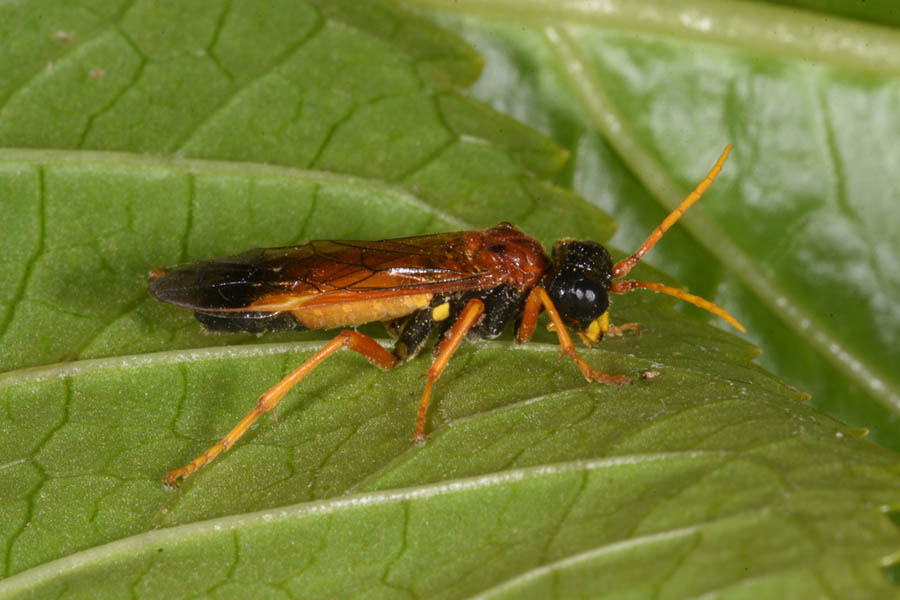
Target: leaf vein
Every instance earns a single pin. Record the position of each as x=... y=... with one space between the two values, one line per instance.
x=28 y=271
x=178 y=146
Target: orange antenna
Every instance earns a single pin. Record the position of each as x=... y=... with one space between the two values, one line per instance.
x=622 y=267
x=626 y=285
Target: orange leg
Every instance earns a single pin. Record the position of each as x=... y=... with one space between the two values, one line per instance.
x=617 y=330
x=623 y=266
x=345 y=339
x=529 y=318
x=538 y=298
x=454 y=337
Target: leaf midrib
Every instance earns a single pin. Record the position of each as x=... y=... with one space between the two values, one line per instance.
x=196 y=166
x=23 y=581
x=756 y=26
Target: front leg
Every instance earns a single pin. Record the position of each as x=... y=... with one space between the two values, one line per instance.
x=617 y=330
x=537 y=299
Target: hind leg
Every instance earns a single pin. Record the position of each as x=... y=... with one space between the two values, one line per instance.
x=346 y=339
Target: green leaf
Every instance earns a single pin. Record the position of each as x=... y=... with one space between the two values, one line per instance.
x=151 y=134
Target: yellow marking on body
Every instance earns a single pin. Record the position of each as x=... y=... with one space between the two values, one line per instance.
x=597 y=328
x=441 y=312
x=279 y=303
x=350 y=314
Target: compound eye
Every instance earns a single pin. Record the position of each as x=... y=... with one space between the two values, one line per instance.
x=579 y=300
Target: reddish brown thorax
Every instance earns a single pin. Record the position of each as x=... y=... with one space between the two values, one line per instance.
x=513 y=256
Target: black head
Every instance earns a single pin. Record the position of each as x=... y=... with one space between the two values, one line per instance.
x=578 y=282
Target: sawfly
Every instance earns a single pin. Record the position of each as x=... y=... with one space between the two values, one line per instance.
x=466 y=283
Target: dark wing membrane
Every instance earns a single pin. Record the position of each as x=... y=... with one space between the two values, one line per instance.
x=323 y=271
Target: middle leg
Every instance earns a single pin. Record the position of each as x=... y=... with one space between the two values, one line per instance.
x=453 y=338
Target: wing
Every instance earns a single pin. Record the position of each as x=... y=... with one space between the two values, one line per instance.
x=323 y=272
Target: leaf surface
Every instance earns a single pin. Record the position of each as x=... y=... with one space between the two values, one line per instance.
x=145 y=135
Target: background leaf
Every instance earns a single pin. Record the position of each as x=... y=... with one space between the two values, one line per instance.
x=145 y=134
x=798 y=234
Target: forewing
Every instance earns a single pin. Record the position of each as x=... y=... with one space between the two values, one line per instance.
x=322 y=272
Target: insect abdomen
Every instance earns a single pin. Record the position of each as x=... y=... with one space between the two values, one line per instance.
x=250 y=322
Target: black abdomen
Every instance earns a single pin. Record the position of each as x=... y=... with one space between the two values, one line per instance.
x=248 y=322
x=230 y=283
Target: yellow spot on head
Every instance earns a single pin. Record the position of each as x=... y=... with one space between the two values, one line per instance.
x=441 y=312
x=597 y=328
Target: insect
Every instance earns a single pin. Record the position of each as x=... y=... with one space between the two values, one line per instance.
x=467 y=283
